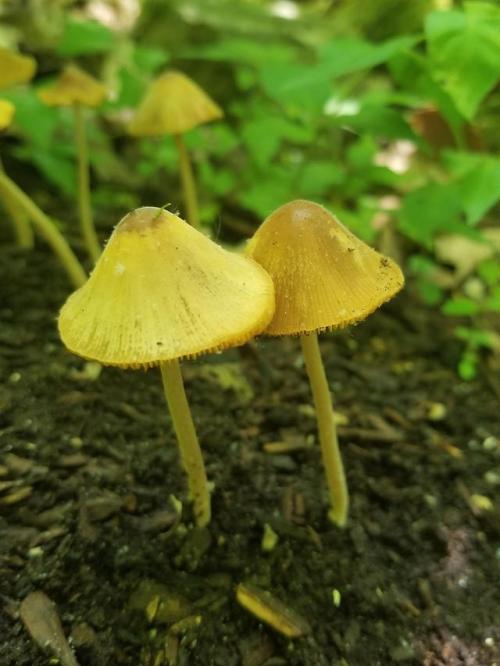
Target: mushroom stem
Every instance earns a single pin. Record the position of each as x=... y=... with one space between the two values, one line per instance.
x=20 y=223
x=47 y=229
x=84 y=204
x=332 y=459
x=188 y=183
x=190 y=451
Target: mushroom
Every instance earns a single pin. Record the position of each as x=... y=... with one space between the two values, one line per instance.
x=75 y=88
x=15 y=69
x=7 y=110
x=325 y=278
x=174 y=104
x=162 y=291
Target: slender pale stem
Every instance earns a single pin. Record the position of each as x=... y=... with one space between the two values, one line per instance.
x=188 y=183
x=46 y=228
x=20 y=223
x=187 y=439
x=332 y=459
x=85 y=207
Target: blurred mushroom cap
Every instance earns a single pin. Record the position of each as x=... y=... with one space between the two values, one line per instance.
x=173 y=104
x=324 y=277
x=162 y=290
x=73 y=86
x=15 y=68
x=7 y=111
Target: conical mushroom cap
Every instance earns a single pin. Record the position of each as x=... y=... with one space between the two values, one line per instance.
x=7 y=111
x=324 y=277
x=173 y=104
x=15 y=68
x=162 y=290
x=73 y=86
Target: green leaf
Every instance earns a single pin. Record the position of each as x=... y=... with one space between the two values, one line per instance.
x=475 y=337
x=263 y=136
x=464 y=48
x=36 y=121
x=309 y=86
x=489 y=271
x=467 y=366
x=345 y=55
x=84 y=37
x=216 y=181
x=242 y=50
x=381 y=121
x=317 y=178
x=460 y=307
x=478 y=179
x=297 y=85
x=149 y=58
x=263 y=195
x=492 y=303
x=58 y=170
x=430 y=210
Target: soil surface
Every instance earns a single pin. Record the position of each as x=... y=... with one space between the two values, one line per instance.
x=94 y=514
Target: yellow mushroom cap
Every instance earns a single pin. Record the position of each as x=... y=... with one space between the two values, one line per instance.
x=162 y=290
x=7 y=111
x=73 y=86
x=173 y=104
x=324 y=277
x=15 y=68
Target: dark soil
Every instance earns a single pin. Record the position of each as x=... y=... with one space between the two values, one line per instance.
x=88 y=466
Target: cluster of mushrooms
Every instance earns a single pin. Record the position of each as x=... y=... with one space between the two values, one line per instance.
x=162 y=291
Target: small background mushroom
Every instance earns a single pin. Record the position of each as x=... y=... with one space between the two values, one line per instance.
x=174 y=104
x=77 y=89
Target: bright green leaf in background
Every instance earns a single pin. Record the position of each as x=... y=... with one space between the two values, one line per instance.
x=344 y=55
x=241 y=50
x=85 y=37
x=461 y=307
x=263 y=136
x=428 y=211
x=478 y=180
x=34 y=120
x=464 y=47
x=310 y=85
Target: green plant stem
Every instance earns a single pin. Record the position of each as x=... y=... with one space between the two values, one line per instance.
x=188 y=183
x=187 y=439
x=332 y=459
x=86 y=222
x=47 y=229
x=22 y=228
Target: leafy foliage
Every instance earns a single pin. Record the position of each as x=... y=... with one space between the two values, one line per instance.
x=351 y=106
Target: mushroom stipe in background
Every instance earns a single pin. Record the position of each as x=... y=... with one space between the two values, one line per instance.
x=174 y=104
x=77 y=89
x=324 y=278
x=162 y=291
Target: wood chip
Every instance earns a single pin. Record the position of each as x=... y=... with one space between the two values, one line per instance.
x=17 y=496
x=272 y=611
x=285 y=447
x=40 y=617
x=18 y=465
